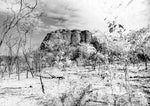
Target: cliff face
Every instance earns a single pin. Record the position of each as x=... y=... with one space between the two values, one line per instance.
x=69 y=37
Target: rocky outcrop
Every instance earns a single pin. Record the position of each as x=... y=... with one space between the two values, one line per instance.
x=75 y=37
x=86 y=36
x=69 y=37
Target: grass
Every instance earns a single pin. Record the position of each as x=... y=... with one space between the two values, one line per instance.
x=79 y=87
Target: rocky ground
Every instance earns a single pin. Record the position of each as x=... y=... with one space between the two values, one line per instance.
x=79 y=86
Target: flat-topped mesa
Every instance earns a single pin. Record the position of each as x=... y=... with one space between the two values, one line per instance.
x=71 y=37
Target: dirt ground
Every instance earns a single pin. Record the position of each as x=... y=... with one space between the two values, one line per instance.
x=106 y=86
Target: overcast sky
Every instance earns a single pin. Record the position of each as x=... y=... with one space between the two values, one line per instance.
x=85 y=14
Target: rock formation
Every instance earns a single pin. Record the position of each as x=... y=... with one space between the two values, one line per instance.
x=86 y=36
x=76 y=45
x=75 y=37
x=70 y=37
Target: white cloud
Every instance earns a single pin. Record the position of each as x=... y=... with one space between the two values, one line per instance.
x=91 y=13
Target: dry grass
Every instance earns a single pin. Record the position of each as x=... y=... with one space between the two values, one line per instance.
x=80 y=87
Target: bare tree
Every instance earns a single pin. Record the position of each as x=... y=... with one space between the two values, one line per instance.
x=18 y=62
x=29 y=69
x=11 y=24
x=41 y=81
x=25 y=9
x=11 y=43
x=27 y=30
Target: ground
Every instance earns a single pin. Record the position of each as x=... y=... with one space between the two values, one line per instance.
x=81 y=85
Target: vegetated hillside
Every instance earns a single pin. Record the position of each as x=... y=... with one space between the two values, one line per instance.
x=71 y=44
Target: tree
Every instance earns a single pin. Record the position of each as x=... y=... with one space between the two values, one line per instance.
x=115 y=29
x=18 y=62
x=11 y=43
x=26 y=29
x=12 y=21
x=38 y=54
x=139 y=41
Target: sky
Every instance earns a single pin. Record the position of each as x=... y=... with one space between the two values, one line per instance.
x=90 y=14
x=83 y=14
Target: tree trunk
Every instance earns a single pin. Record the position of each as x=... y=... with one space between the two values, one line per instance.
x=145 y=64
x=18 y=70
x=2 y=73
x=27 y=75
x=36 y=67
x=9 y=69
x=42 y=85
x=29 y=68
